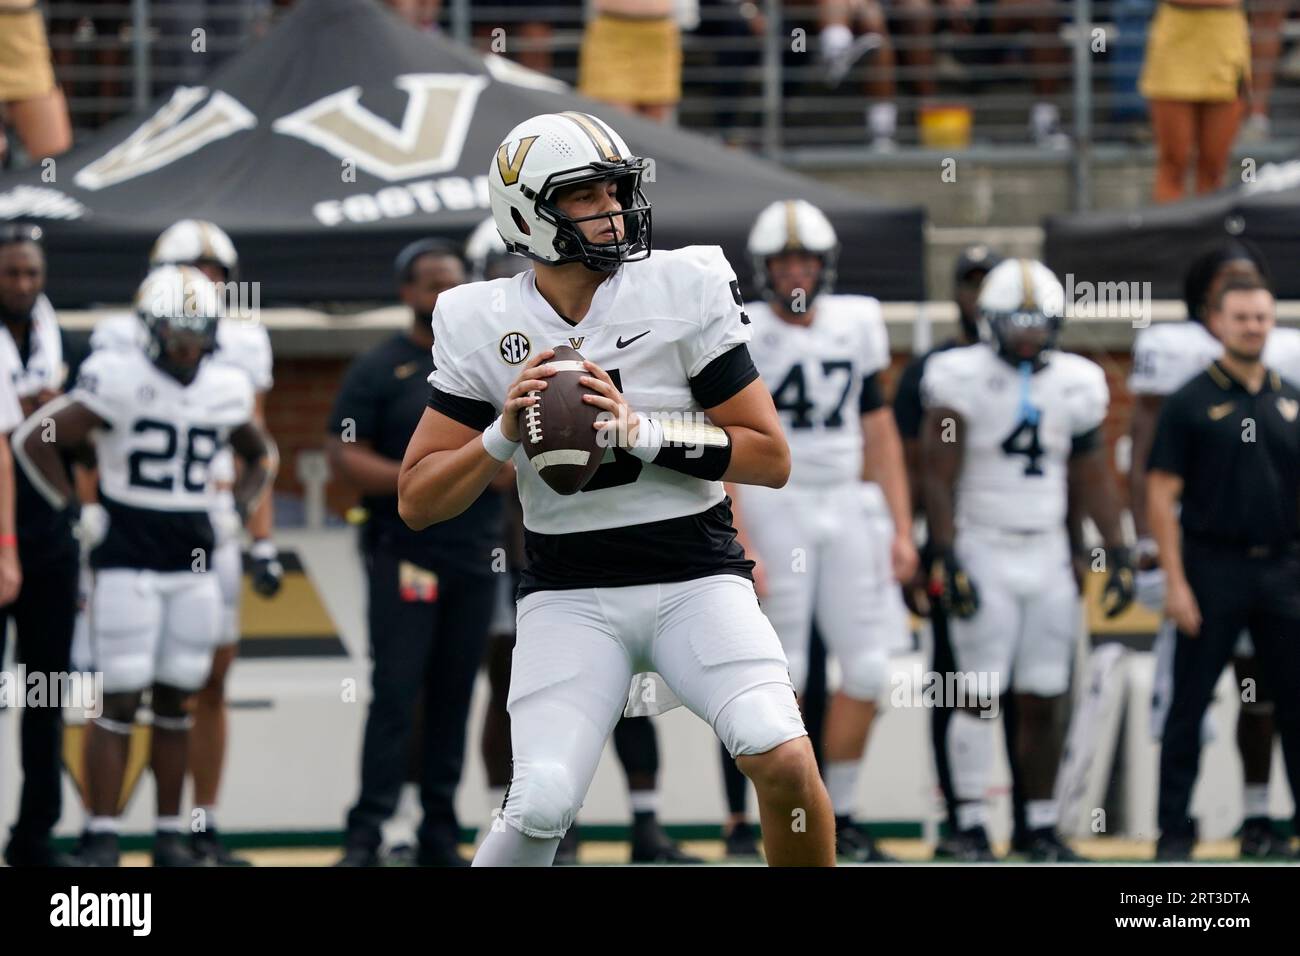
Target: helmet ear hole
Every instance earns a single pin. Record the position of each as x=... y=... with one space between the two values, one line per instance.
x=519 y=221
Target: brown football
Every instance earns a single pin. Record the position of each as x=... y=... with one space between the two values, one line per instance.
x=556 y=431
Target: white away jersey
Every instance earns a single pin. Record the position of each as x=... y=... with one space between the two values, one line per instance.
x=157 y=450
x=244 y=345
x=1018 y=433
x=815 y=374
x=1167 y=355
x=652 y=326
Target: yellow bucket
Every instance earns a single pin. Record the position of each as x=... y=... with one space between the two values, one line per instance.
x=945 y=126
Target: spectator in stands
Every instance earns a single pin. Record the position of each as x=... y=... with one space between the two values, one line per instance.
x=631 y=57
x=840 y=19
x=1267 y=18
x=1048 y=58
x=36 y=108
x=1196 y=72
x=421 y=14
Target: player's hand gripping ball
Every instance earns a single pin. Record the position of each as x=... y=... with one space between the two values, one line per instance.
x=557 y=431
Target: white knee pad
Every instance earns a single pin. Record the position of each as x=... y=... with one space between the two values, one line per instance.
x=1042 y=679
x=541 y=802
x=865 y=673
x=759 y=719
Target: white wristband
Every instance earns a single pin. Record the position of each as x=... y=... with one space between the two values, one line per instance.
x=497 y=444
x=649 y=439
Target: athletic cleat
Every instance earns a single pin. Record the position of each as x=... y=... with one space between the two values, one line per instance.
x=853 y=842
x=170 y=849
x=650 y=844
x=1259 y=841
x=567 y=852
x=401 y=855
x=98 y=849
x=40 y=853
x=741 y=843
x=358 y=855
x=1174 y=848
x=1046 y=846
x=207 y=844
x=966 y=846
x=439 y=855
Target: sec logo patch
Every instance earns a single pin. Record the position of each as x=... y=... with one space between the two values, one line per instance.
x=515 y=347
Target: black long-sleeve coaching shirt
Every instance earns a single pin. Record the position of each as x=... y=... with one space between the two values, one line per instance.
x=1238 y=455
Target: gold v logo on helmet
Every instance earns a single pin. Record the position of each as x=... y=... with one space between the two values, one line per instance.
x=511 y=168
x=592 y=127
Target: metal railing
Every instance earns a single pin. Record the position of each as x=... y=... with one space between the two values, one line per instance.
x=770 y=90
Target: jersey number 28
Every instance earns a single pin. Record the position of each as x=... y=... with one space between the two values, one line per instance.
x=147 y=468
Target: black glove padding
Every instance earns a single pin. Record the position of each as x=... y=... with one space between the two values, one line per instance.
x=268 y=572
x=952 y=587
x=1121 y=584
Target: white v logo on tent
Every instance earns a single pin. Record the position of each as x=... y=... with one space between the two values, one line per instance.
x=167 y=136
x=437 y=117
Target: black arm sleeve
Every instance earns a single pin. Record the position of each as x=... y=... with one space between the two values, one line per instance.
x=870 y=399
x=1086 y=442
x=468 y=411
x=908 y=411
x=724 y=377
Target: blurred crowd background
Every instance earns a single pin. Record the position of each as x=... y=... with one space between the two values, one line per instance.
x=793 y=80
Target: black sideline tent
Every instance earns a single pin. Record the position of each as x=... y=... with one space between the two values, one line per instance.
x=345 y=134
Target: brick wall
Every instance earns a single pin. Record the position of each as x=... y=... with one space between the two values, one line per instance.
x=299 y=406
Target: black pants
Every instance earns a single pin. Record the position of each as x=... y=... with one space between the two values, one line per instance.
x=1234 y=591
x=44 y=616
x=420 y=649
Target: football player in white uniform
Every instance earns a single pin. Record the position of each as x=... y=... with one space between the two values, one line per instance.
x=243 y=343
x=1010 y=425
x=1165 y=357
x=640 y=572
x=830 y=549
x=156 y=419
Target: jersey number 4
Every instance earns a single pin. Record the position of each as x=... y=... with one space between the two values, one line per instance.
x=147 y=468
x=1023 y=440
x=624 y=468
x=792 y=395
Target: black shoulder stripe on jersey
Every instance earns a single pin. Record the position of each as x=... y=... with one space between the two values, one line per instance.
x=724 y=377
x=1088 y=441
x=871 y=397
x=468 y=411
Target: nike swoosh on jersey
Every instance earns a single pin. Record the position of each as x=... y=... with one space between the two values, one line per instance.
x=1220 y=411
x=622 y=344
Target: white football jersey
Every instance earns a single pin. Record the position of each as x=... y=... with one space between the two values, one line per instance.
x=245 y=346
x=1167 y=355
x=1018 y=431
x=157 y=450
x=815 y=373
x=652 y=326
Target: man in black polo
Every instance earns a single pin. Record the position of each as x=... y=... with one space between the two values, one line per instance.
x=430 y=592
x=36 y=354
x=1227 y=447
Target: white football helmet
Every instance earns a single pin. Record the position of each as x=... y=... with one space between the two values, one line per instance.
x=177 y=300
x=793 y=225
x=486 y=253
x=192 y=241
x=553 y=150
x=1021 y=309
